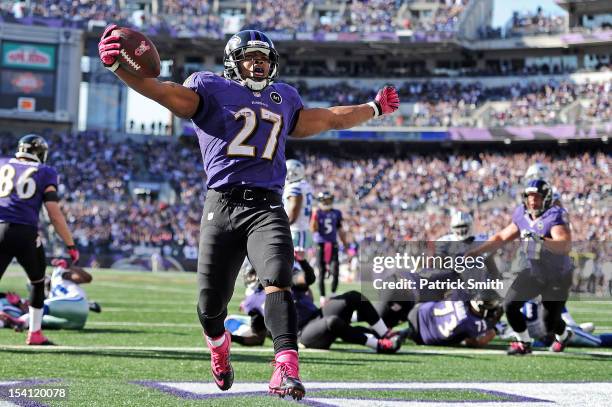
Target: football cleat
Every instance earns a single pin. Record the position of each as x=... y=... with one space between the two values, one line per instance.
x=559 y=346
x=286 y=376
x=95 y=307
x=519 y=348
x=389 y=344
x=220 y=365
x=37 y=339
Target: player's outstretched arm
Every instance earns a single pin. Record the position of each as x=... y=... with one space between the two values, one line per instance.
x=496 y=241
x=180 y=100
x=316 y=120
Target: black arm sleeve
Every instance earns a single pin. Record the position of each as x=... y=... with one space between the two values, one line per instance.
x=51 y=196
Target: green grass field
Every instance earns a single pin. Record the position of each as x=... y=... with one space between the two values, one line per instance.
x=148 y=331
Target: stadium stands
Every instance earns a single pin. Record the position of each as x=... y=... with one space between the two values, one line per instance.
x=190 y=18
x=452 y=103
x=384 y=198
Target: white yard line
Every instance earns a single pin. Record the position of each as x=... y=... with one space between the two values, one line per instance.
x=257 y=349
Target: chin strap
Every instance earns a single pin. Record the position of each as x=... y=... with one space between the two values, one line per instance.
x=256 y=85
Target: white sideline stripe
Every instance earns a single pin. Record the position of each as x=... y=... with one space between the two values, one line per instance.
x=145 y=324
x=150 y=287
x=257 y=349
x=148 y=311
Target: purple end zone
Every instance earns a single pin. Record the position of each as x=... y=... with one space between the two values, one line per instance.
x=21 y=401
x=312 y=392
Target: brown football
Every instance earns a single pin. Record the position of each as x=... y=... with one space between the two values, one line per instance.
x=138 y=54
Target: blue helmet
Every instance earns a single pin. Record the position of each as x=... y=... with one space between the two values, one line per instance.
x=238 y=46
x=541 y=187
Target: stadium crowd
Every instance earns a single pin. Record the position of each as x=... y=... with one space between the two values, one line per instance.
x=191 y=18
x=445 y=103
x=384 y=198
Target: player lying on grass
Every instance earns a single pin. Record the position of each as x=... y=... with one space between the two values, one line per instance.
x=242 y=120
x=12 y=306
x=534 y=313
x=320 y=327
x=444 y=322
x=66 y=307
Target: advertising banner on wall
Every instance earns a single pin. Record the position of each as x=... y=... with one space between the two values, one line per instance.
x=28 y=55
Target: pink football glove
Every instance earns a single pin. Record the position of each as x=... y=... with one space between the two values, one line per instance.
x=13 y=298
x=74 y=254
x=108 y=48
x=386 y=101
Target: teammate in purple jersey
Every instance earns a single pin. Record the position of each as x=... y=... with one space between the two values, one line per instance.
x=326 y=224
x=242 y=121
x=544 y=228
x=445 y=323
x=26 y=183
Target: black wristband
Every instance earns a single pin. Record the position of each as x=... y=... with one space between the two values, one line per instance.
x=51 y=196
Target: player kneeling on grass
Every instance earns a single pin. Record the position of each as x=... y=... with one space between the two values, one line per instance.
x=66 y=306
x=320 y=327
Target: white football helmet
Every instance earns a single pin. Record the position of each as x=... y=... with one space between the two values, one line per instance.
x=295 y=171
x=537 y=171
x=461 y=225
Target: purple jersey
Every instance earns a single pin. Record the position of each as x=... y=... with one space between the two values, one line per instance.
x=304 y=306
x=448 y=323
x=541 y=226
x=328 y=223
x=242 y=133
x=22 y=186
x=254 y=302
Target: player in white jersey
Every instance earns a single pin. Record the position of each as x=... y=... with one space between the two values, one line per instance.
x=67 y=307
x=534 y=315
x=297 y=200
x=462 y=229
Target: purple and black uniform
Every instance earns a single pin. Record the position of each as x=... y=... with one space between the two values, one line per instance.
x=547 y=274
x=326 y=237
x=538 y=258
x=22 y=186
x=242 y=133
x=22 y=189
x=242 y=136
x=328 y=222
x=448 y=323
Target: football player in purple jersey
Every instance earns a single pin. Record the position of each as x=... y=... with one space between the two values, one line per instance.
x=242 y=120
x=326 y=224
x=26 y=183
x=445 y=323
x=544 y=228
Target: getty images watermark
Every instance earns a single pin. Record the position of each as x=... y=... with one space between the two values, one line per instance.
x=425 y=271
x=408 y=263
